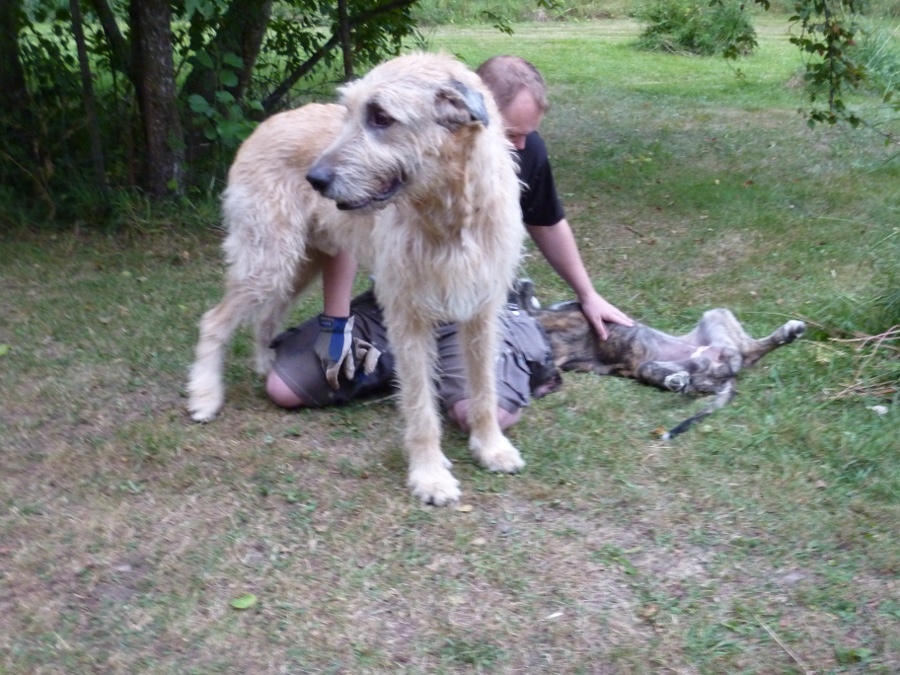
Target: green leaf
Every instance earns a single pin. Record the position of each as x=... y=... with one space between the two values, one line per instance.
x=192 y=6
x=245 y=601
x=4 y=350
x=198 y=104
x=204 y=59
x=233 y=60
x=224 y=97
x=228 y=78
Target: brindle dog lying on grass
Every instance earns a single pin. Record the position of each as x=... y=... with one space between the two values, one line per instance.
x=705 y=361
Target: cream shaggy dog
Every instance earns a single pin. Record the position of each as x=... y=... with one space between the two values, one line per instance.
x=414 y=175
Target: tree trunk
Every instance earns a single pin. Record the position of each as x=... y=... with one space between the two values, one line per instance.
x=87 y=88
x=18 y=146
x=120 y=56
x=154 y=83
x=13 y=92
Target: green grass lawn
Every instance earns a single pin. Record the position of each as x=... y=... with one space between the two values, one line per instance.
x=764 y=541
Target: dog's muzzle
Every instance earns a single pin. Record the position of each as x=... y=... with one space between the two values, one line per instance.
x=321 y=176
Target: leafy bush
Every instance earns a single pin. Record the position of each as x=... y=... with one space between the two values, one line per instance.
x=689 y=27
x=878 y=49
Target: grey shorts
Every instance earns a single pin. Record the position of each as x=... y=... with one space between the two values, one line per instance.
x=523 y=343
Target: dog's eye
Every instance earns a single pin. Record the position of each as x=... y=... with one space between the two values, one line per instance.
x=378 y=118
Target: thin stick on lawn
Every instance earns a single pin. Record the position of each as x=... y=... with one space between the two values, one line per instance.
x=781 y=644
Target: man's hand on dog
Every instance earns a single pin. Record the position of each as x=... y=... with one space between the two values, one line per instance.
x=367 y=354
x=334 y=348
x=597 y=310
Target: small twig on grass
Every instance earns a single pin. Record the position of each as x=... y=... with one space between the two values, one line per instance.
x=65 y=645
x=634 y=231
x=892 y=333
x=873 y=390
x=872 y=386
x=379 y=399
x=781 y=644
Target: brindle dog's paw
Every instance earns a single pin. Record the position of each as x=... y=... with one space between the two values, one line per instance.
x=791 y=331
x=678 y=382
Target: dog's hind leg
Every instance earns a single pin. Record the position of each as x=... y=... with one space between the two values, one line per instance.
x=206 y=389
x=269 y=316
x=718 y=327
x=255 y=295
x=783 y=335
x=490 y=448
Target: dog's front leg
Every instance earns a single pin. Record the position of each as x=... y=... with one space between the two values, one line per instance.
x=429 y=470
x=489 y=447
x=673 y=376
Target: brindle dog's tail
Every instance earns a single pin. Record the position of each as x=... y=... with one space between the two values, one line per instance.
x=723 y=398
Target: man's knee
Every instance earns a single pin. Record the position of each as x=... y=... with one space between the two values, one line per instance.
x=459 y=415
x=281 y=394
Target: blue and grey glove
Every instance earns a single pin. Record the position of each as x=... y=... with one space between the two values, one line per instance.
x=334 y=348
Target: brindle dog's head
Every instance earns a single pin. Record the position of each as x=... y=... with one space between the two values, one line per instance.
x=522 y=295
x=545 y=376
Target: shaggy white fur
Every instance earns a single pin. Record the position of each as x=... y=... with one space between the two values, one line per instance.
x=418 y=181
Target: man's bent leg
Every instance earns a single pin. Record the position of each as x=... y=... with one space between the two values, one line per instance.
x=458 y=413
x=281 y=394
x=513 y=372
x=297 y=378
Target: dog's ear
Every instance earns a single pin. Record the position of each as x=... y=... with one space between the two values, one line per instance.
x=457 y=105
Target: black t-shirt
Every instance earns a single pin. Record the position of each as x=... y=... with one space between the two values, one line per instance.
x=540 y=203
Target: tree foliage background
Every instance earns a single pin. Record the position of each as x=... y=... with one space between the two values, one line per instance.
x=101 y=97
x=152 y=93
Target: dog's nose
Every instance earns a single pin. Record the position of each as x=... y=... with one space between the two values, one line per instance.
x=320 y=176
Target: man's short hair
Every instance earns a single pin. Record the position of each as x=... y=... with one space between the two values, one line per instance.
x=507 y=75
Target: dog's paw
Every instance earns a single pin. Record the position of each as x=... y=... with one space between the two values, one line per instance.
x=500 y=455
x=206 y=395
x=791 y=331
x=203 y=413
x=204 y=406
x=434 y=485
x=677 y=382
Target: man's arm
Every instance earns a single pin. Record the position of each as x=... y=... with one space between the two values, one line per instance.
x=338 y=275
x=557 y=243
x=334 y=344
